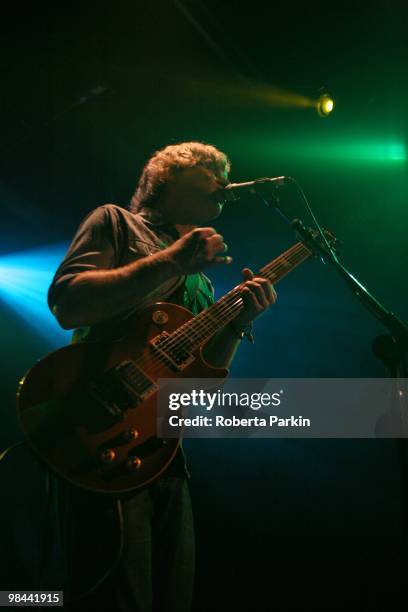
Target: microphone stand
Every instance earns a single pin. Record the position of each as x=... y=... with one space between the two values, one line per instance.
x=390 y=348
x=397 y=328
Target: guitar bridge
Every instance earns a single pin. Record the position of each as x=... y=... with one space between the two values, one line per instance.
x=121 y=387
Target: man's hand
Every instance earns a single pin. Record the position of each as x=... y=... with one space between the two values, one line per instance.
x=198 y=249
x=257 y=294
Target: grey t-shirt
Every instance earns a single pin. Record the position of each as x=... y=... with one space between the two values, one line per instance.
x=111 y=237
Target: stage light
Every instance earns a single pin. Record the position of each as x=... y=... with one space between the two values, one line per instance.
x=325 y=105
x=24 y=281
x=319 y=149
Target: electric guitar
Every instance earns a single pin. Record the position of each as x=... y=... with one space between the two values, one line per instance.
x=89 y=409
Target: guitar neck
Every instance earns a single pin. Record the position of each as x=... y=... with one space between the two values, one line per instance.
x=203 y=326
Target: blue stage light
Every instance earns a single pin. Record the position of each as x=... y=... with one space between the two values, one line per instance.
x=24 y=281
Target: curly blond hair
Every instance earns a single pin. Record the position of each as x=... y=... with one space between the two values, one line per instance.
x=170 y=160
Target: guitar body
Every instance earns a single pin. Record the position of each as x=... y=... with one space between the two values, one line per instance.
x=89 y=409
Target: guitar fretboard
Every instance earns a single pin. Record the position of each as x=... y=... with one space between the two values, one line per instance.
x=203 y=326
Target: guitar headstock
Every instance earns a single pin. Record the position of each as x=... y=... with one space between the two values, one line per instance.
x=312 y=238
x=332 y=241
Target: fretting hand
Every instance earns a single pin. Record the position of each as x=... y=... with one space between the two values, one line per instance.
x=257 y=294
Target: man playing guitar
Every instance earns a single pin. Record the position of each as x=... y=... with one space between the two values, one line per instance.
x=121 y=260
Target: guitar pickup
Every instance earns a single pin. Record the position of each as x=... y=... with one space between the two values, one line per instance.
x=121 y=387
x=175 y=356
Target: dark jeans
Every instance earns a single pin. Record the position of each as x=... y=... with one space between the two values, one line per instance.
x=156 y=569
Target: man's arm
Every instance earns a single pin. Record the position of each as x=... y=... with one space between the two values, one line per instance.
x=220 y=350
x=93 y=296
x=257 y=295
x=97 y=295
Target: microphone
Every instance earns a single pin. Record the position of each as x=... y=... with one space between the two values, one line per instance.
x=261 y=186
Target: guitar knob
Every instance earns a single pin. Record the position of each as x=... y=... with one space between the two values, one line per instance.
x=133 y=463
x=131 y=434
x=160 y=317
x=108 y=455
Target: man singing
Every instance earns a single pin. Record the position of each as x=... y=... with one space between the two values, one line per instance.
x=120 y=260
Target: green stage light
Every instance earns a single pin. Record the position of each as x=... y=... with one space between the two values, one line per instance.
x=325 y=149
x=325 y=105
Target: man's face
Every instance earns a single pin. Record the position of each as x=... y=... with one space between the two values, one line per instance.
x=189 y=197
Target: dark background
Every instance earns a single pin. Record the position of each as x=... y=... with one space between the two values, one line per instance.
x=89 y=91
